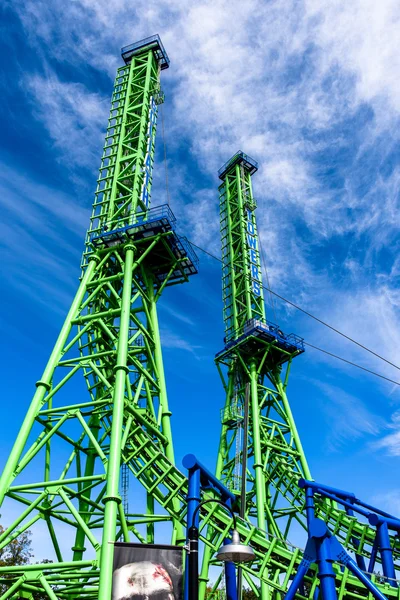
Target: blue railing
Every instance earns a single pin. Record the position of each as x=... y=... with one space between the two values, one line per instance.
x=159 y=217
x=267 y=330
x=272 y=328
x=249 y=163
x=290 y=337
x=152 y=42
x=188 y=248
x=158 y=213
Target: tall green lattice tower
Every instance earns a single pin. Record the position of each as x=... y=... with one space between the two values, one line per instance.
x=260 y=455
x=101 y=401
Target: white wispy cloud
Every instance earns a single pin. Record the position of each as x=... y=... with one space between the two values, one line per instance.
x=299 y=85
x=348 y=416
x=240 y=78
x=390 y=443
x=370 y=315
x=283 y=81
x=171 y=340
x=388 y=501
x=74 y=117
x=361 y=36
x=41 y=235
x=176 y=313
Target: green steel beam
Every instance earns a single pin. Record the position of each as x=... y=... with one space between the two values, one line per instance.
x=110 y=342
x=65 y=463
x=274 y=504
x=241 y=272
x=273 y=443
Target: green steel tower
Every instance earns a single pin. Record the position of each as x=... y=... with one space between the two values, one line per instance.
x=259 y=441
x=101 y=403
x=260 y=457
x=104 y=380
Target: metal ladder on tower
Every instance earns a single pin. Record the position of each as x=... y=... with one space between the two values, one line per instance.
x=125 y=487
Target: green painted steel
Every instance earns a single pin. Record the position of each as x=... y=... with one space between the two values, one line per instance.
x=102 y=399
x=119 y=197
x=258 y=366
x=105 y=375
x=237 y=205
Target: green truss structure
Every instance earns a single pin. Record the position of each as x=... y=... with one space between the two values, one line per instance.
x=260 y=456
x=101 y=402
x=105 y=375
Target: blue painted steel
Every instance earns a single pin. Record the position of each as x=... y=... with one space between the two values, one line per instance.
x=299 y=577
x=332 y=551
x=193 y=497
x=391 y=522
x=324 y=549
x=230 y=581
x=193 y=501
x=255 y=327
x=345 y=503
x=380 y=520
x=351 y=565
x=240 y=157
x=159 y=219
x=230 y=569
x=190 y=462
x=201 y=477
x=188 y=248
x=319 y=487
x=356 y=543
x=153 y=42
x=378 y=511
x=309 y=506
x=386 y=552
x=159 y=214
x=372 y=558
x=268 y=332
x=326 y=574
x=355 y=502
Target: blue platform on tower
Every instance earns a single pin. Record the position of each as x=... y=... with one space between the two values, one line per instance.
x=154 y=43
x=159 y=219
x=256 y=331
x=240 y=157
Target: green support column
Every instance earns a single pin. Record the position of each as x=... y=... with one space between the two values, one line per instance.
x=112 y=498
x=102 y=399
x=110 y=345
x=254 y=355
x=165 y=413
x=79 y=546
x=258 y=465
x=42 y=386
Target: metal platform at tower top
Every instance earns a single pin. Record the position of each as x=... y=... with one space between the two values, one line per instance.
x=151 y=43
x=159 y=219
x=255 y=330
x=146 y=223
x=240 y=157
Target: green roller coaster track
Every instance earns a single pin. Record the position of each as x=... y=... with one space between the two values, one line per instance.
x=102 y=401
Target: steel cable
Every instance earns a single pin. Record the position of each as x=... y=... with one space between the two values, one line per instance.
x=326 y=325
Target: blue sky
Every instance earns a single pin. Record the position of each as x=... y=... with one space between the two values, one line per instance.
x=310 y=90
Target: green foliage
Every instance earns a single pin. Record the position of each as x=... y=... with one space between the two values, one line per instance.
x=248 y=594
x=18 y=551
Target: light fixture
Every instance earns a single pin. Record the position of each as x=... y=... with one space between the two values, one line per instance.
x=236 y=551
